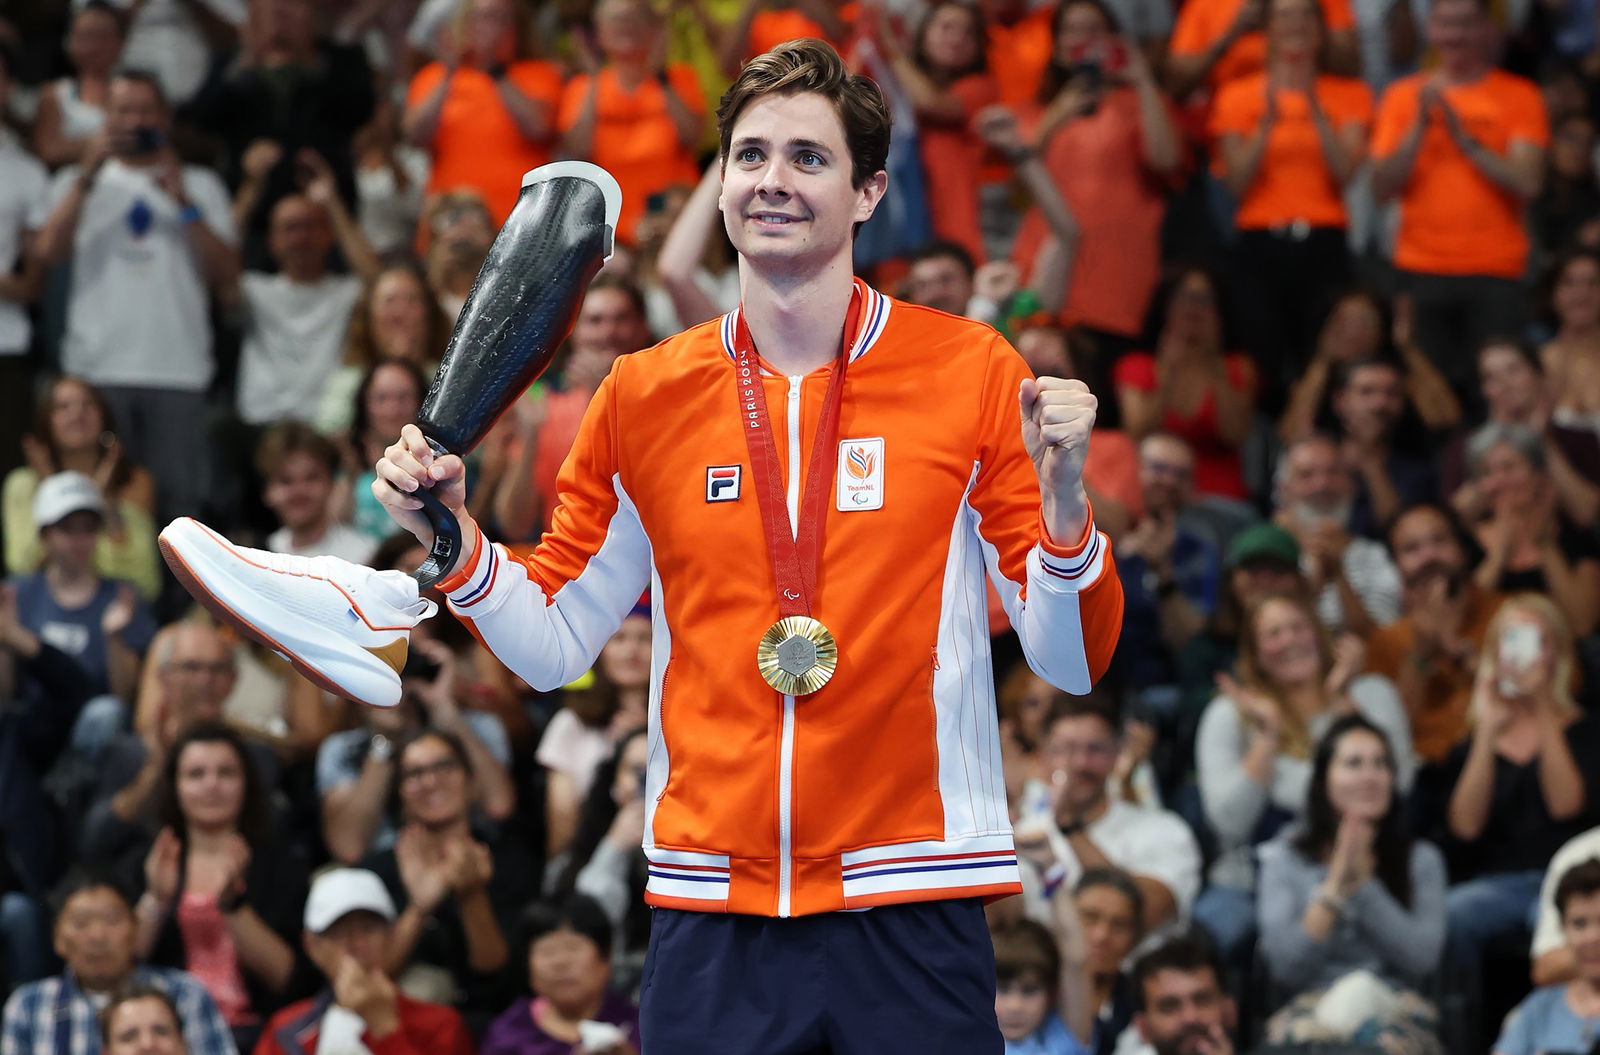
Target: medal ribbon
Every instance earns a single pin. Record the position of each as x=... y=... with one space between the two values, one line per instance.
x=794 y=552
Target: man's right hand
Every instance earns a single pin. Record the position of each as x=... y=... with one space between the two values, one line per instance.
x=408 y=464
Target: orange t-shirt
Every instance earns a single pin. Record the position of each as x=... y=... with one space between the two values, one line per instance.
x=1201 y=23
x=477 y=144
x=1453 y=220
x=1018 y=55
x=1097 y=161
x=1292 y=181
x=952 y=161
x=634 y=137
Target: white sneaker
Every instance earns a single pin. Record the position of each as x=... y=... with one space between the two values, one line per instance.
x=344 y=626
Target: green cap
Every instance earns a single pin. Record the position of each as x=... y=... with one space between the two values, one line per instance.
x=1265 y=541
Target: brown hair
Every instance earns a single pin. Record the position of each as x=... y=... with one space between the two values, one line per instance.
x=1027 y=948
x=1296 y=738
x=127 y=995
x=122 y=471
x=288 y=438
x=809 y=65
x=360 y=348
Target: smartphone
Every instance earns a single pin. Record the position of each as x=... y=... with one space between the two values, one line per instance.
x=1518 y=650
x=656 y=204
x=420 y=667
x=147 y=140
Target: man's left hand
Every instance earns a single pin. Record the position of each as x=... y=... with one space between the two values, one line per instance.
x=1057 y=417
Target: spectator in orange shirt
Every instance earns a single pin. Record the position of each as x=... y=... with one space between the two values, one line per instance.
x=1019 y=47
x=1462 y=148
x=1218 y=41
x=610 y=323
x=1290 y=139
x=636 y=117
x=946 y=74
x=485 y=111
x=762 y=25
x=1190 y=385
x=1106 y=134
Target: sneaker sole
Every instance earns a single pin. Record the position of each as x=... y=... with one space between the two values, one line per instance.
x=187 y=557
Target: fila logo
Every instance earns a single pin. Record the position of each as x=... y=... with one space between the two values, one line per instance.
x=860 y=474
x=722 y=482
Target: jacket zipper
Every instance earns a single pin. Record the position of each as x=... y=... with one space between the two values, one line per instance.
x=786 y=745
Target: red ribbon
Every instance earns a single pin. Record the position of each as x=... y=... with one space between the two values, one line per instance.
x=794 y=553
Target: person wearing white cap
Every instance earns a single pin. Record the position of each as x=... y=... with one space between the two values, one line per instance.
x=100 y=622
x=348 y=919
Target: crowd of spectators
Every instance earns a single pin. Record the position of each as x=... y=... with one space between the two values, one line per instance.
x=1331 y=266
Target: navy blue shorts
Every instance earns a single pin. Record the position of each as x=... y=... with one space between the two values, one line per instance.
x=916 y=977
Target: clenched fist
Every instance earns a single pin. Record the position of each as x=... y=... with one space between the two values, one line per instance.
x=1057 y=416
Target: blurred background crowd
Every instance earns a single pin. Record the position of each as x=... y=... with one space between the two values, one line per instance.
x=1331 y=266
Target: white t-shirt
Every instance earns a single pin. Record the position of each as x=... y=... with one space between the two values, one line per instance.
x=573 y=748
x=340 y=1032
x=1547 y=936
x=293 y=341
x=166 y=38
x=23 y=183
x=138 y=313
x=341 y=540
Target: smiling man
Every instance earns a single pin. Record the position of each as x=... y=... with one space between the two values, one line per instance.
x=814 y=488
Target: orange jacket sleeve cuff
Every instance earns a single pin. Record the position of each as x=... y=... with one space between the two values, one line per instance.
x=463 y=574
x=1056 y=549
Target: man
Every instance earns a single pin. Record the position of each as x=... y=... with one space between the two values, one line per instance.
x=1369 y=399
x=1461 y=146
x=610 y=323
x=287 y=85
x=159 y=236
x=941 y=277
x=1356 y=584
x=1170 y=575
x=23 y=184
x=94 y=936
x=1180 y=1006
x=295 y=317
x=1431 y=651
x=299 y=465
x=775 y=792
x=1095 y=827
x=196 y=674
x=349 y=917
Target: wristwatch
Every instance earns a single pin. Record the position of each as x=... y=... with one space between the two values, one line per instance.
x=380 y=748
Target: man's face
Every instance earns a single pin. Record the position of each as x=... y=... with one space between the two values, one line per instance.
x=1316 y=477
x=361 y=935
x=787 y=199
x=299 y=491
x=610 y=325
x=940 y=282
x=131 y=106
x=1455 y=29
x=1084 y=748
x=300 y=237
x=1166 y=474
x=1371 y=401
x=1425 y=547
x=199 y=674
x=1182 y=1010
x=145 y=1026
x=69 y=542
x=1580 y=927
x=94 y=936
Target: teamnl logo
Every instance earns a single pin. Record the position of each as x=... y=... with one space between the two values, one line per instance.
x=722 y=482
x=861 y=478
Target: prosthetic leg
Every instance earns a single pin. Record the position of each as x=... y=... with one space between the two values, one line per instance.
x=346 y=627
x=521 y=307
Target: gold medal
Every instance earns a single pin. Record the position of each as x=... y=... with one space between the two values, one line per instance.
x=797 y=655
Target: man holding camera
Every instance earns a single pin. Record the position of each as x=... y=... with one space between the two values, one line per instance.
x=152 y=237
